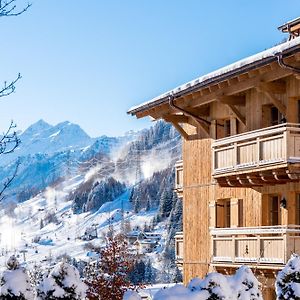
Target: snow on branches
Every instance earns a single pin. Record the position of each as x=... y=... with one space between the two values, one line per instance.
x=242 y=286
x=288 y=280
x=63 y=282
x=15 y=282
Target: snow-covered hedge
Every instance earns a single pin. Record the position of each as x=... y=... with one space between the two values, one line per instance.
x=288 y=280
x=15 y=282
x=63 y=282
x=242 y=285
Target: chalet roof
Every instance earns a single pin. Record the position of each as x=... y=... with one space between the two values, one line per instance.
x=241 y=66
x=284 y=27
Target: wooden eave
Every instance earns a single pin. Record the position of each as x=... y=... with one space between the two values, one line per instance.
x=234 y=82
x=290 y=26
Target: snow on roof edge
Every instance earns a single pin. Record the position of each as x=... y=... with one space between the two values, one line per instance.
x=269 y=53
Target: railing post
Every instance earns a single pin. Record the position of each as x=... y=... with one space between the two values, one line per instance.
x=258 y=249
x=285 y=153
x=233 y=254
x=235 y=155
x=257 y=150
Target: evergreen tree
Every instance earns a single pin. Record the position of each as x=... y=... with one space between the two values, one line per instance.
x=15 y=282
x=41 y=224
x=166 y=203
x=149 y=273
x=62 y=283
x=288 y=280
x=177 y=276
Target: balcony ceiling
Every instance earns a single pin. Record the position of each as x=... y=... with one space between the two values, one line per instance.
x=290 y=173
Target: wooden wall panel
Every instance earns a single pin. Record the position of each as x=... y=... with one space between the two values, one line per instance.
x=200 y=191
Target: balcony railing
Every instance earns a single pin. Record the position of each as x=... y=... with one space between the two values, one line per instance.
x=262 y=149
x=179 y=177
x=255 y=245
x=179 y=248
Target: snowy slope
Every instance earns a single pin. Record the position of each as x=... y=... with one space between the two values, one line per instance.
x=45 y=226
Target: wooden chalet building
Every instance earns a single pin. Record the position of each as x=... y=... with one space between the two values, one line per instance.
x=239 y=177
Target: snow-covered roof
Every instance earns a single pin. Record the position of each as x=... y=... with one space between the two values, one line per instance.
x=285 y=26
x=243 y=65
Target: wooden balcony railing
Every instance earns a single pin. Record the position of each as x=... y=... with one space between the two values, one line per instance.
x=271 y=246
x=179 y=248
x=267 y=148
x=179 y=178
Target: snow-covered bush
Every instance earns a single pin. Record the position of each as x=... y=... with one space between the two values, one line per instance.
x=180 y=292
x=131 y=295
x=288 y=280
x=245 y=284
x=215 y=286
x=63 y=282
x=15 y=282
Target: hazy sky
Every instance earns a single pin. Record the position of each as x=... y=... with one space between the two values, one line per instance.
x=89 y=61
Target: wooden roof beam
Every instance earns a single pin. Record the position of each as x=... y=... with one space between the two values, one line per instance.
x=237 y=113
x=233 y=100
x=181 y=131
x=277 y=87
x=176 y=118
x=243 y=86
x=276 y=102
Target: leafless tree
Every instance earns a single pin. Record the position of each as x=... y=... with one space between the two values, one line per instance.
x=9 y=140
x=9 y=8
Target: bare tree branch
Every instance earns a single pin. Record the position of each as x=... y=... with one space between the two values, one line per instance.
x=9 y=180
x=8 y=8
x=8 y=89
x=9 y=141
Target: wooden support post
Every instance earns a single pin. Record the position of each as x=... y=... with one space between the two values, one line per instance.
x=273 y=99
x=181 y=130
x=237 y=113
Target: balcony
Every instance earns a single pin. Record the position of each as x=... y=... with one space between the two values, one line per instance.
x=263 y=247
x=179 y=178
x=179 y=249
x=266 y=156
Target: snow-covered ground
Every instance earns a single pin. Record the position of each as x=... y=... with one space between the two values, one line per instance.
x=21 y=231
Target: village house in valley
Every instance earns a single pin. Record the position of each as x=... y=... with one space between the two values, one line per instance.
x=239 y=177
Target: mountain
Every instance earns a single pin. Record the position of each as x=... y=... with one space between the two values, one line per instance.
x=68 y=183
x=44 y=138
x=48 y=153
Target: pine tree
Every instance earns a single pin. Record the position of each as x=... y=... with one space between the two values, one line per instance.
x=177 y=276
x=35 y=275
x=15 y=282
x=288 y=280
x=166 y=203
x=41 y=224
x=62 y=283
x=149 y=273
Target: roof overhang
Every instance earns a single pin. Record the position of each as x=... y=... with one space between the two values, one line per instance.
x=256 y=61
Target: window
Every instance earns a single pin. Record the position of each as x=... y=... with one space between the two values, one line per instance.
x=223 y=213
x=271 y=116
x=298 y=119
x=297 y=209
x=227 y=128
x=240 y=213
x=274 y=210
x=275 y=117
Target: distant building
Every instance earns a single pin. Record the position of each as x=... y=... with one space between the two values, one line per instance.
x=90 y=233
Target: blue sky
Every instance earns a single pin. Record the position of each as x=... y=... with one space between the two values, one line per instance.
x=90 y=61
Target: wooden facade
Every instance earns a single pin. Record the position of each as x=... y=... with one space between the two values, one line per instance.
x=240 y=170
